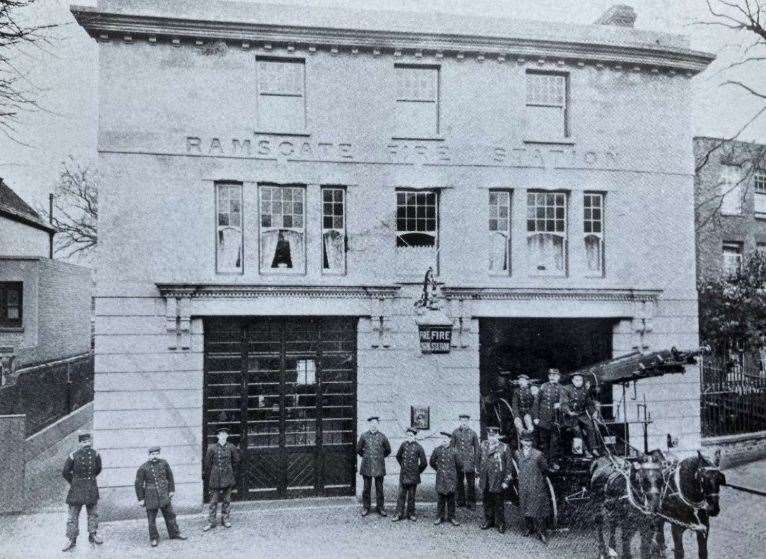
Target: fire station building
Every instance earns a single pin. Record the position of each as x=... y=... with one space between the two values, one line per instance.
x=278 y=181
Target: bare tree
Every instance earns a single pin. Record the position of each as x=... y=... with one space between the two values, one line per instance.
x=17 y=94
x=75 y=212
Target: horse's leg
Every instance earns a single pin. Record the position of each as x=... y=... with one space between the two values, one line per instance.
x=661 y=547
x=626 y=535
x=678 y=541
x=702 y=539
x=600 y=515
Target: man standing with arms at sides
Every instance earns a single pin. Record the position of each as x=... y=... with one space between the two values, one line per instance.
x=445 y=461
x=221 y=461
x=373 y=447
x=495 y=471
x=154 y=489
x=412 y=462
x=80 y=470
x=465 y=441
x=534 y=498
x=546 y=417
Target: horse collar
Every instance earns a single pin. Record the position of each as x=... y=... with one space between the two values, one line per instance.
x=686 y=501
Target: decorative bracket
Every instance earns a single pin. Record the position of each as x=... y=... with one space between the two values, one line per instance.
x=178 y=319
x=380 y=315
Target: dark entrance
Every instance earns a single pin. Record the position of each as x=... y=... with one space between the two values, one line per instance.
x=532 y=345
x=286 y=387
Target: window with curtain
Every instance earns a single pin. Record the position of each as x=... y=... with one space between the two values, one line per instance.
x=732 y=259
x=283 y=229
x=281 y=95
x=547 y=106
x=593 y=229
x=229 y=253
x=10 y=304
x=416 y=218
x=731 y=190
x=499 y=232
x=759 y=186
x=417 y=100
x=546 y=232
x=334 y=230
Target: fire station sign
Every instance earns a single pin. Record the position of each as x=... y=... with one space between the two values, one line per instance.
x=435 y=338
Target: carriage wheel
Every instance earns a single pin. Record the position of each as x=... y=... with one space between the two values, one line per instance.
x=554 y=505
x=515 y=483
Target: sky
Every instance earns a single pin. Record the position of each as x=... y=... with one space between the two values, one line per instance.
x=64 y=73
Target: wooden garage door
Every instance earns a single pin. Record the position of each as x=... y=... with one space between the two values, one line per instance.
x=286 y=388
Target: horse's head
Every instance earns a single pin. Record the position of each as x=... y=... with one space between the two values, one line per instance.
x=709 y=480
x=647 y=476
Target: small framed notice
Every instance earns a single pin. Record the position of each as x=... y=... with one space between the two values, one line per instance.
x=420 y=417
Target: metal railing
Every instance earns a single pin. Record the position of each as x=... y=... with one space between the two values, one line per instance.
x=733 y=397
x=45 y=393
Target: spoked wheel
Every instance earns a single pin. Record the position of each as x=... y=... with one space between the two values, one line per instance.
x=554 y=504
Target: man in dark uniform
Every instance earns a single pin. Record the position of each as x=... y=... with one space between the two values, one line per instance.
x=523 y=404
x=579 y=407
x=495 y=471
x=446 y=461
x=534 y=498
x=466 y=442
x=546 y=417
x=221 y=461
x=412 y=462
x=154 y=489
x=80 y=470
x=373 y=447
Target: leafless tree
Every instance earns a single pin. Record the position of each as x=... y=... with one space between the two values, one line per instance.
x=75 y=211
x=17 y=94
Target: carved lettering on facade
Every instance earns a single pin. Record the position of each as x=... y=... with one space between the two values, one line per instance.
x=555 y=158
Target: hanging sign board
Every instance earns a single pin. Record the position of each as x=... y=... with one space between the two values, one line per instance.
x=435 y=338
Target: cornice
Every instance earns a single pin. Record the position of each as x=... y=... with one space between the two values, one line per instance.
x=534 y=294
x=105 y=25
x=228 y=291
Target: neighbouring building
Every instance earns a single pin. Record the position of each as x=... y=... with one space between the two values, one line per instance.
x=277 y=181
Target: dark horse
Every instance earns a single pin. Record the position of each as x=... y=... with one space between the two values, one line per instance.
x=690 y=500
x=626 y=494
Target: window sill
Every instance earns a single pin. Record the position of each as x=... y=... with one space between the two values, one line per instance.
x=760 y=216
x=12 y=329
x=556 y=142
x=419 y=138
x=723 y=214
x=282 y=272
x=303 y=134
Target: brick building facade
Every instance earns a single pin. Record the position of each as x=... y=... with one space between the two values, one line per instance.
x=278 y=181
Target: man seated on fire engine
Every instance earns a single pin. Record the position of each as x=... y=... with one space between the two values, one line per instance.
x=579 y=409
x=523 y=404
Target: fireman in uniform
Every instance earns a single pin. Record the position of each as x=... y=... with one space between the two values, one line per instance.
x=465 y=441
x=495 y=472
x=154 y=490
x=412 y=462
x=446 y=461
x=221 y=461
x=80 y=470
x=534 y=498
x=546 y=417
x=523 y=404
x=373 y=447
x=579 y=408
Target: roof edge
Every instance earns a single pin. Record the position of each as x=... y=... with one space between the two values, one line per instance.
x=19 y=217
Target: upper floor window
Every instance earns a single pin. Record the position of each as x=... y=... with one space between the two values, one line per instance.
x=499 y=232
x=547 y=232
x=283 y=229
x=547 y=105
x=229 y=228
x=731 y=190
x=593 y=229
x=417 y=101
x=334 y=230
x=10 y=304
x=759 y=186
x=416 y=218
x=281 y=95
x=732 y=259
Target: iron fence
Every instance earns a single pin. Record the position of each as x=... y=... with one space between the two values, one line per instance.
x=46 y=393
x=733 y=399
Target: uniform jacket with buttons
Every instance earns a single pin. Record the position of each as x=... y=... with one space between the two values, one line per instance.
x=412 y=460
x=576 y=402
x=445 y=460
x=550 y=393
x=221 y=462
x=465 y=441
x=523 y=402
x=496 y=467
x=80 y=470
x=373 y=448
x=154 y=484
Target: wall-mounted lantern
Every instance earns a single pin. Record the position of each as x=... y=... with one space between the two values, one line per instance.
x=434 y=326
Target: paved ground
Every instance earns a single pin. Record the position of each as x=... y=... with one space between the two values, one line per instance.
x=334 y=529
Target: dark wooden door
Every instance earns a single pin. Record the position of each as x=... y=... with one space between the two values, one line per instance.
x=286 y=387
